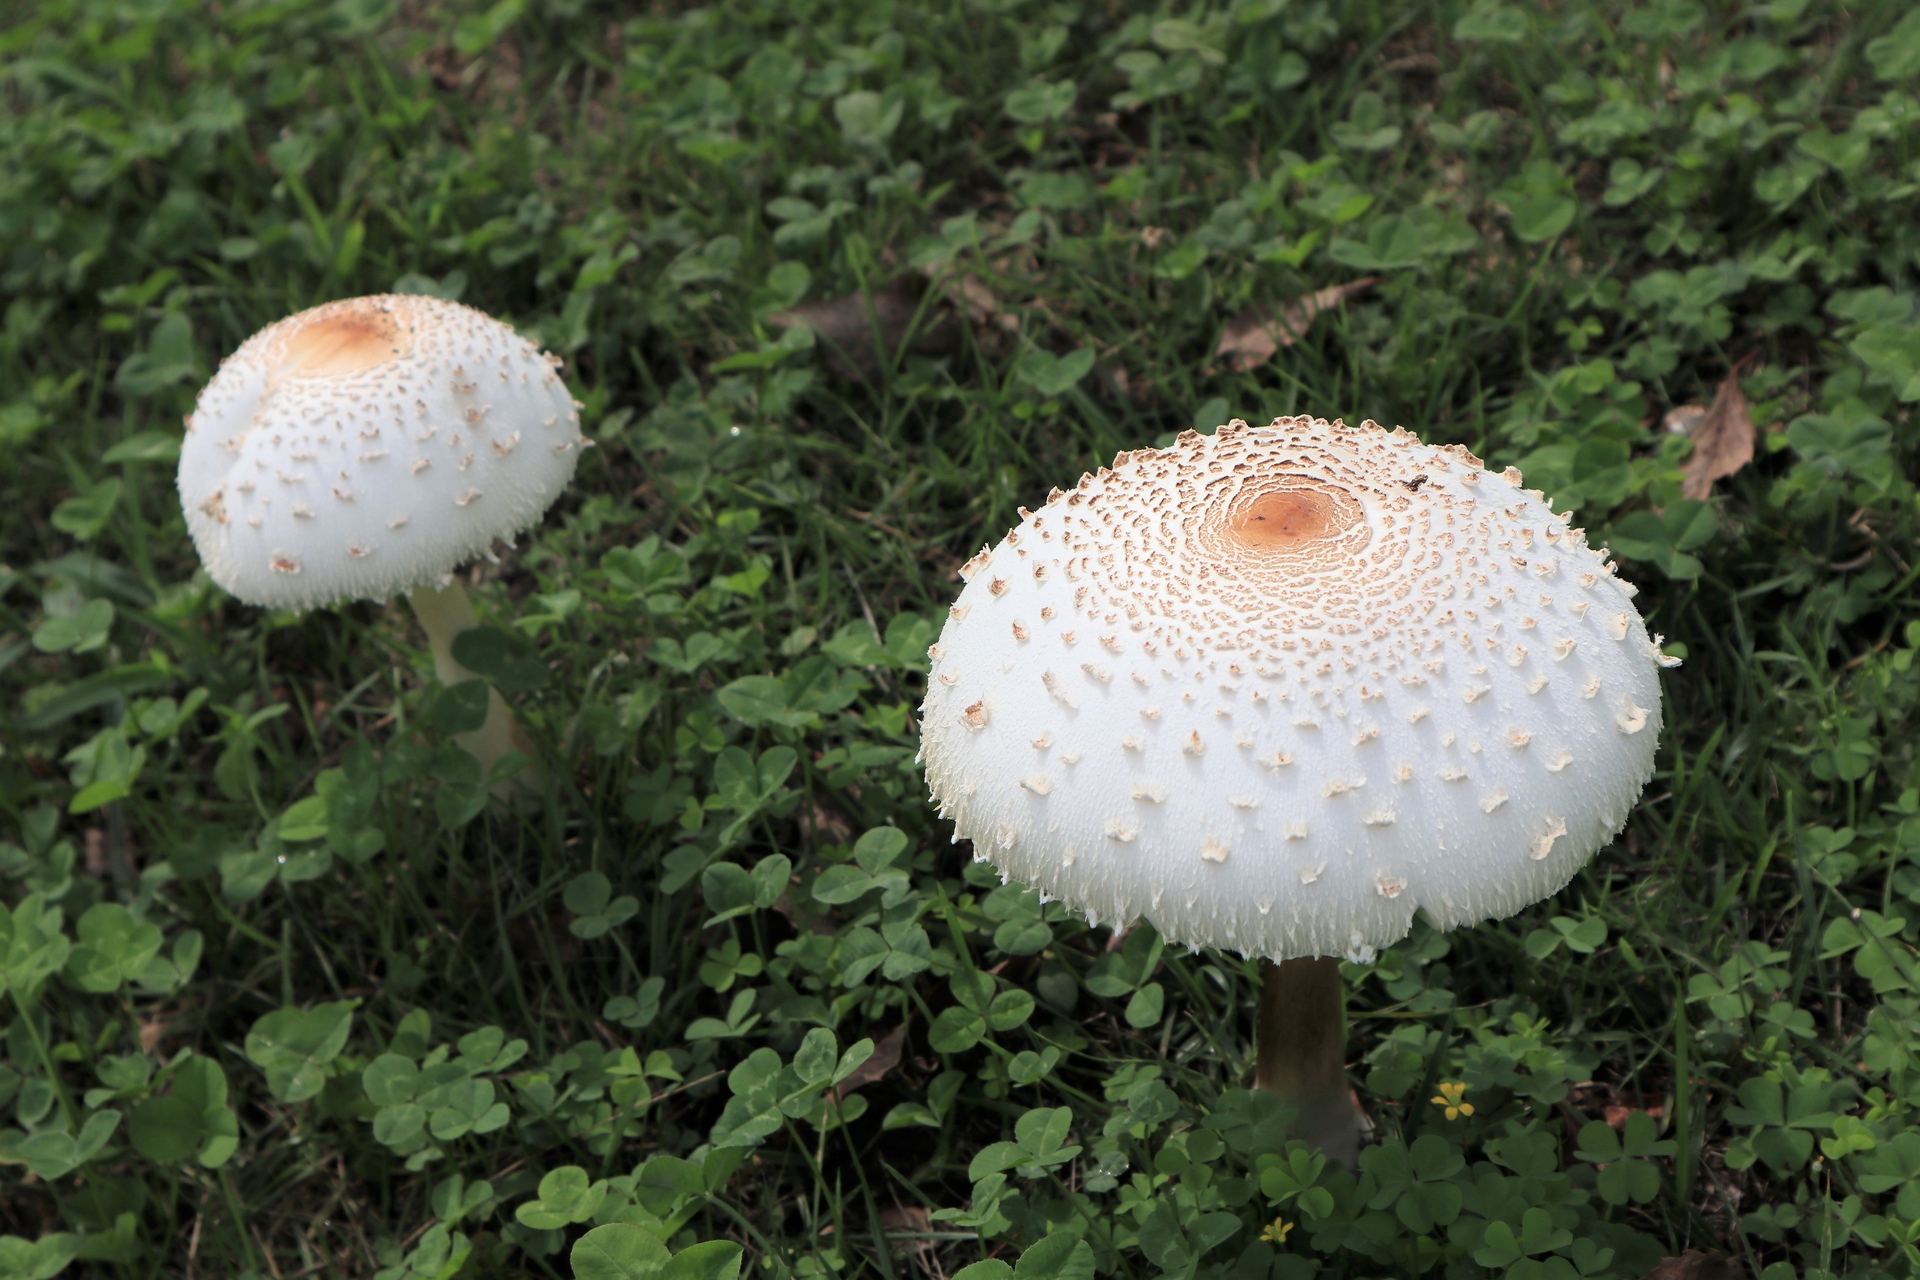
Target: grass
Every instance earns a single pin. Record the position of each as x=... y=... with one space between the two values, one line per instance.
x=287 y=996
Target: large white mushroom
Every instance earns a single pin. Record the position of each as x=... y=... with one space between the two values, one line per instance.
x=1277 y=689
x=369 y=447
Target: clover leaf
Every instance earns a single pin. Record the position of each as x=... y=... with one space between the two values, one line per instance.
x=294 y=1046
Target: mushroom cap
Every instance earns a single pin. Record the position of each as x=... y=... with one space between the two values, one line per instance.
x=370 y=446
x=1276 y=689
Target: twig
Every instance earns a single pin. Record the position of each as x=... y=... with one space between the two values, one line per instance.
x=265 y=1252
x=683 y=1087
x=193 y=1240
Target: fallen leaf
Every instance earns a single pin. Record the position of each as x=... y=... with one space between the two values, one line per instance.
x=152 y=1029
x=1616 y=1115
x=980 y=305
x=1253 y=336
x=1697 y=1264
x=826 y=824
x=904 y=1222
x=1722 y=440
x=886 y=1056
x=860 y=332
x=909 y=1217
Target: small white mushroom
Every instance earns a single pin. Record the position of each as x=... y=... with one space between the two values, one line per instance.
x=312 y=382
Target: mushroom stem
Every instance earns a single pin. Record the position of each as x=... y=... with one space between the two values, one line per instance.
x=444 y=613
x=1301 y=1038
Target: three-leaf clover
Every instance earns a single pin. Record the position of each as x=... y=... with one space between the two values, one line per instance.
x=32 y=948
x=1023 y=930
x=81 y=631
x=193 y=1121
x=731 y=890
x=566 y=1197
x=1784 y=1121
x=874 y=855
x=638 y=1010
x=294 y=1046
x=55 y=1152
x=1502 y=1248
x=1580 y=936
x=979 y=1009
x=39 y=1259
x=740 y=1019
x=1294 y=1178
x=1417 y=1181
x=764 y=1091
x=590 y=897
x=1126 y=973
x=1625 y=1173
x=1039 y=1143
x=727 y=962
x=112 y=949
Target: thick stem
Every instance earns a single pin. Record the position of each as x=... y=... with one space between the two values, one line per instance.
x=444 y=614
x=1302 y=1043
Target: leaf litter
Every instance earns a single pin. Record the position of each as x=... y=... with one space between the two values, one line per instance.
x=863 y=332
x=1255 y=335
x=1722 y=435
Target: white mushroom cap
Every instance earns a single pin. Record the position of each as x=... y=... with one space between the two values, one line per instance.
x=370 y=446
x=1276 y=689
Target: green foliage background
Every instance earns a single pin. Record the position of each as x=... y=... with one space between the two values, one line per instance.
x=286 y=995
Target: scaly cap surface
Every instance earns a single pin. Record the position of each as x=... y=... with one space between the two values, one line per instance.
x=369 y=446
x=1275 y=689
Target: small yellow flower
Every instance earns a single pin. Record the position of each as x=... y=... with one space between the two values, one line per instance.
x=1449 y=1098
x=1276 y=1232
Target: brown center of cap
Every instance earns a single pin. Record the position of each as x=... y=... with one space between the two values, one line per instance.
x=345 y=338
x=1286 y=519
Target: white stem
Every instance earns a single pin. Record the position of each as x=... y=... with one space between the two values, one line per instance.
x=444 y=614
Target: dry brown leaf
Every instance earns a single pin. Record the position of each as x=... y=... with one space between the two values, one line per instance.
x=979 y=303
x=1722 y=440
x=1616 y=1114
x=886 y=1056
x=1253 y=336
x=96 y=863
x=904 y=1222
x=825 y=824
x=847 y=331
x=152 y=1028
x=905 y=1217
x=1697 y=1264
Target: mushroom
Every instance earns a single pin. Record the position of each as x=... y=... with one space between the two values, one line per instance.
x=1275 y=690
x=370 y=446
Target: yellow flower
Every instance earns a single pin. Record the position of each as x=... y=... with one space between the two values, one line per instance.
x=1276 y=1232
x=1449 y=1098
